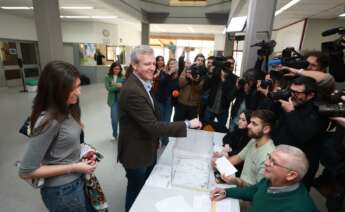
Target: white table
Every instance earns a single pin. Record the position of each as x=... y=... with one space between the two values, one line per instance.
x=151 y=193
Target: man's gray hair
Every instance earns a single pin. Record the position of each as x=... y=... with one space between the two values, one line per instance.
x=140 y=50
x=297 y=160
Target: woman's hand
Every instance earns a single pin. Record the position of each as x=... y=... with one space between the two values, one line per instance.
x=85 y=166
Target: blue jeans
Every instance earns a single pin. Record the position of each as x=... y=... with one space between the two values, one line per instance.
x=114 y=113
x=67 y=198
x=136 y=180
x=165 y=110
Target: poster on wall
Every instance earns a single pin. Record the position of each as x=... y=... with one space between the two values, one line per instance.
x=87 y=53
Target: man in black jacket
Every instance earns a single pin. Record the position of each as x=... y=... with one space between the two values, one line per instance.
x=301 y=125
x=222 y=90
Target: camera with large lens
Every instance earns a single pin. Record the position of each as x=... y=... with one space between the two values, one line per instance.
x=333 y=47
x=291 y=58
x=264 y=84
x=282 y=94
x=197 y=71
x=335 y=106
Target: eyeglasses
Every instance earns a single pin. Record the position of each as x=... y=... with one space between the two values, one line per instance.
x=296 y=92
x=274 y=163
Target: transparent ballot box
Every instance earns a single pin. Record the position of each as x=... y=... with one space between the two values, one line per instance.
x=191 y=161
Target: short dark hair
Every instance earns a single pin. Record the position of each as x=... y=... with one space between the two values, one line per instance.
x=112 y=66
x=211 y=58
x=199 y=55
x=267 y=117
x=309 y=84
x=230 y=58
x=321 y=58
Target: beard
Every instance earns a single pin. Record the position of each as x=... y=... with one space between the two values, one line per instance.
x=255 y=135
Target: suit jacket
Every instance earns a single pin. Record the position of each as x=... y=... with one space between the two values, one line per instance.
x=140 y=127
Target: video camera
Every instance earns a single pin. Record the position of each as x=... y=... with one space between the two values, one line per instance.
x=336 y=45
x=291 y=58
x=335 y=106
x=282 y=94
x=266 y=47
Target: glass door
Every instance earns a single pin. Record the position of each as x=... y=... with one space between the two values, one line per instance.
x=18 y=62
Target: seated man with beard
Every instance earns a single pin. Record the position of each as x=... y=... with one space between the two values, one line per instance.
x=255 y=152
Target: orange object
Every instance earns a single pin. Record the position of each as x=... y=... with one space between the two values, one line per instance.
x=175 y=93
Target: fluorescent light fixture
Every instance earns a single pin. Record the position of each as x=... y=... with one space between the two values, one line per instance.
x=237 y=24
x=286 y=6
x=190 y=29
x=342 y=15
x=75 y=16
x=17 y=8
x=104 y=17
x=77 y=8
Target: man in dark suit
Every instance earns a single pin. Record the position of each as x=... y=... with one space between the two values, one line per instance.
x=140 y=127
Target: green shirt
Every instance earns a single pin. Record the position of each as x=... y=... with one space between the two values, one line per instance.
x=297 y=200
x=113 y=91
x=254 y=159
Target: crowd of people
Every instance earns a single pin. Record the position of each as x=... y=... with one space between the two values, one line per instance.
x=275 y=134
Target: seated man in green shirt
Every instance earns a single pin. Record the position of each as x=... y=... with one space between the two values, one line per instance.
x=255 y=152
x=281 y=189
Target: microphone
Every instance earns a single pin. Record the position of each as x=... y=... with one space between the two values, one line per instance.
x=333 y=31
x=263 y=43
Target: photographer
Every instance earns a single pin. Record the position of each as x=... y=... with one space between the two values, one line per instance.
x=316 y=69
x=222 y=90
x=246 y=96
x=301 y=125
x=191 y=82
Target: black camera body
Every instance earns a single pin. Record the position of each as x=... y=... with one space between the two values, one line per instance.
x=335 y=106
x=197 y=71
x=291 y=58
x=264 y=84
x=283 y=94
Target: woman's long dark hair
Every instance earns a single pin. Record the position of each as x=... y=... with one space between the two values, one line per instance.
x=112 y=66
x=157 y=58
x=54 y=86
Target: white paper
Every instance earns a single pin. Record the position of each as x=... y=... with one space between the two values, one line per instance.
x=173 y=204
x=202 y=203
x=160 y=177
x=224 y=205
x=217 y=148
x=224 y=166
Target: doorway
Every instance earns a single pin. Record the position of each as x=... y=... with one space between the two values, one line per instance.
x=18 y=62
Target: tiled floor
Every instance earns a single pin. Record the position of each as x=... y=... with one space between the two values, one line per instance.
x=16 y=195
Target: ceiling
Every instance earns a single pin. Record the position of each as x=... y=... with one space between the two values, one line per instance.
x=129 y=12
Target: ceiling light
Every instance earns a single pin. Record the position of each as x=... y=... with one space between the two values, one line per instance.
x=237 y=24
x=77 y=8
x=75 y=16
x=190 y=29
x=104 y=17
x=17 y=8
x=342 y=15
x=286 y=6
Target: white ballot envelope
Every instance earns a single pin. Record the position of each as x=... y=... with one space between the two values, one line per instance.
x=224 y=166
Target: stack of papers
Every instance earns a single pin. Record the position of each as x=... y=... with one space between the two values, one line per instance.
x=224 y=166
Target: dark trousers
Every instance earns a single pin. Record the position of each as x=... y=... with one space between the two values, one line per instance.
x=184 y=112
x=136 y=180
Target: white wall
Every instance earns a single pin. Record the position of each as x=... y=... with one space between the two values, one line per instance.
x=219 y=42
x=312 y=36
x=88 y=32
x=14 y=27
x=288 y=37
x=128 y=35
